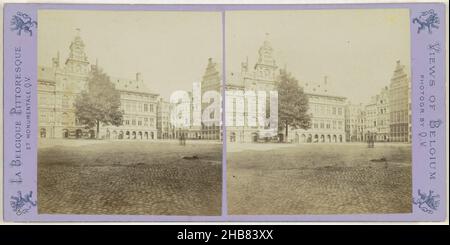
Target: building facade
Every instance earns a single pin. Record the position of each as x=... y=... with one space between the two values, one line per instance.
x=354 y=122
x=400 y=106
x=165 y=129
x=327 y=116
x=212 y=81
x=383 y=117
x=369 y=120
x=203 y=100
x=59 y=86
x=140 y=111
x=243 y=123
x=370 y=124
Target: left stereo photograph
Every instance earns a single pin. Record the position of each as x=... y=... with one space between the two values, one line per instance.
x=129 y=112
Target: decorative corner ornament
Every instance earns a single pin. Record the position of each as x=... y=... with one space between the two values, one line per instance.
x=22 y=22
x=427 y=19
x=427 y=202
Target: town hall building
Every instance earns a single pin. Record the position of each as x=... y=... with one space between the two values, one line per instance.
x=59 y=86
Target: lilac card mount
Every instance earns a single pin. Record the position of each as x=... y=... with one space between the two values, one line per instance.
x=219 y=113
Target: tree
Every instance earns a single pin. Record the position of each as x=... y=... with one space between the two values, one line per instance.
x=100 y=103
x=292 y=104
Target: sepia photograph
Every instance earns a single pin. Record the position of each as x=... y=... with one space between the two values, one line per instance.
x=318 y=112
x=129 y=112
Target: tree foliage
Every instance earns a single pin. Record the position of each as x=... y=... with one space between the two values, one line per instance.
x=99 y=103
x=292 y=104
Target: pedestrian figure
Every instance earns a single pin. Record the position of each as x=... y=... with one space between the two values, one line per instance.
x=182 y=137
x=370 y=140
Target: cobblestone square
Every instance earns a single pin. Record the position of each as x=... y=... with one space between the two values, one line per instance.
x=129 y=177
x=319 y=178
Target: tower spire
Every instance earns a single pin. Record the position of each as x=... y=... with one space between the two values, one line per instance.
x=266 y=62
x=77 y=61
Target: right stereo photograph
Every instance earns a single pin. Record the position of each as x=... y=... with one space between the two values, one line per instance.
x=318 y=112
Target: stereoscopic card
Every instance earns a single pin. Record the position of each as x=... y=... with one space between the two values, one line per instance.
x=224 y=112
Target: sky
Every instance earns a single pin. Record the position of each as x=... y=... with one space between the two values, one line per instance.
x=170 y=49
x=356 y=49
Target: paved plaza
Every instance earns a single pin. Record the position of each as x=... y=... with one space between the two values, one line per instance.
x=129 y=177
x=319 y=178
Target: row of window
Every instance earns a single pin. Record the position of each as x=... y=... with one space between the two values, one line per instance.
x=140 y=121
x=328 y=125
x=137 y=107
x=326 y=109
x=399 y=116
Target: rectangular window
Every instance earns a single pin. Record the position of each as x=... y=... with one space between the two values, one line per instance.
x=133 y=122
x=145 y=107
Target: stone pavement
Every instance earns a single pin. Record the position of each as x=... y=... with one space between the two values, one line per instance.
x=130 y=178
x=320 y=179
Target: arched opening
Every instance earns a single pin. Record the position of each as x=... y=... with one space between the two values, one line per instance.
x=133 y=134
x=120 y=135
x=303 y=138
x=43 y=132
x=152 y=135
x=140 y=135
x=309 y=140
x=334 y=138
x=146 y=135
x=322 y=138
x=297 y=138
x=78 y=133
x=65 y=133
x=108 y=134
x=114 y=134
x=254 y=137
x=127 y=135
x=328 y=138
x=91 y=134
x=316 y=138
x=340 y=138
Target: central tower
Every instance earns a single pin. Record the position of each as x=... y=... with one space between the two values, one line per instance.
x=77 y=61
x=266 y=65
